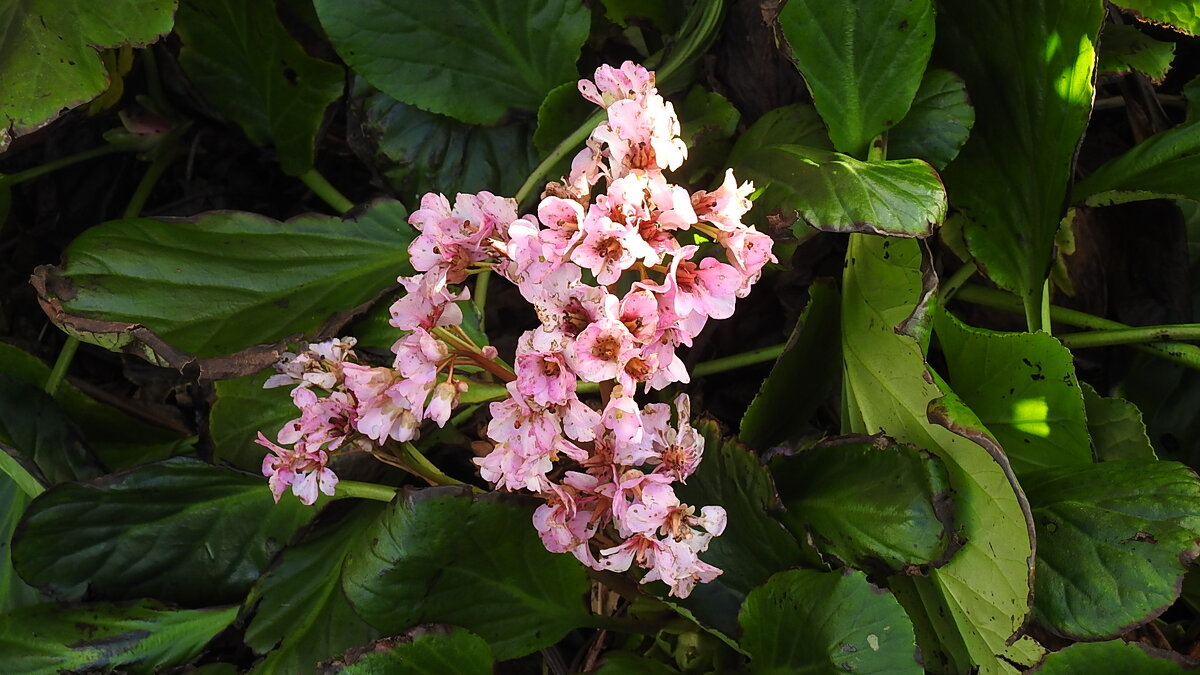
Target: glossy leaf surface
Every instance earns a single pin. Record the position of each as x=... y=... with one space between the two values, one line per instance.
x=136 y=534
x=938 y=124
x=1114 y=540
x=1159 y=166
x=473 y=61
x=432 y=650
x=804 y=621
x=434 y=557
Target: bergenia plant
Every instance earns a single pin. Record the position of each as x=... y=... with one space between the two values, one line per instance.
x=607 y=265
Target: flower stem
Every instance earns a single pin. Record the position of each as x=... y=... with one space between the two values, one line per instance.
x=1127 y=336
x=955 y=281
x=419 y=465
x=741 y=360
x=325 y=190
x=1184 y=354
x=359 y=490
x=481 y=293
x=50 y=167
x=557 y=154
x=65 y=355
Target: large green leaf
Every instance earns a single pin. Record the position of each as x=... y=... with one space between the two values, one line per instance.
x=754 y=545
x=300 y=614
x=142 y=637
x=419 y=152
x=1114 y=540
x=443 y=555
x=244 y=62
x=226 y=280
x=836 y=193
x=966 y=611
x=804 y=621
x=781 y=409
x=35 y=429
x=1159 y=166
x=1181 y=14
x=869 y=502
x=1028 y=65
x=1124 y=48
x=1116 y=427
x=938 y=123
x=180 y=530
x=117 y=439
x=242 y=410
x=14 y=592
x=48 y=54
x=1115 y=657
x=473 y=60
x=428 y=650
x=1024 y=390
x=862 y=60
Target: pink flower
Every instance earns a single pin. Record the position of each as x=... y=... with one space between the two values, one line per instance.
x=708 y=288
x=301 y=469
x=681 y=448
x=725 y=206
x=609 y=247
x=601 y=351
x=419 y=355
x=320 y=365
x=322 y=421
x=426 y=304
x=615 y=84
x=749 y=251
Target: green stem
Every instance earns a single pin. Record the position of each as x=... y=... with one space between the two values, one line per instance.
x=325 y=190
x=1184 y=354
x=481 y=292
x=955 y=281
x=62 y=163
x=420 y=466
x=1030 y=305
x=559 y=152
x=59 y=372
x=164 y=154
x=741 y=360
x=1128 y=336
x=359 y=490
x=1045 y=314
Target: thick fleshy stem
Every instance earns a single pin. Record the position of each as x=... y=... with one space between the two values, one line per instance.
x=322 y=188
x=50 y=167
x=354 y=489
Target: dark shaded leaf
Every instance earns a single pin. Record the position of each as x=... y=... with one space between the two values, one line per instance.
x=1115 y=657
x=242 y=410
x=244 y=62
x=869 y=502
x=1116 y=427
x=300 y=614
x=804 y=621
x=14 y=592
x=1114 y=540
x=428 y=650
x=473 y=61
x=938 y=124
x=35 y=428
x=1157 y=167
x=181 y=531
x=781 y=409
x=435 y=556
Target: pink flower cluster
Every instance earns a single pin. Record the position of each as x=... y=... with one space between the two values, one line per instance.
x=616 y=292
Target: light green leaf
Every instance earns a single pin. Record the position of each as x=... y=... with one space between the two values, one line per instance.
x=754 y=545
x=142 y=637
x=1124 y=48
x=244 y=62
x=804 y=621
x=966 y=611
x=868 y=502
x=181 y=531
x=14 y=592
x=938 y=123
x=1159 y=166
x=781 y=409
x=419 y=152
x=1182 y=15
x=1114 y=540
x=434 y=557
x=1024 y=390
x=862 y=60
x=226 y=280
x=1115 y=657
x=48 y=54
x=428 y=650
x=472 y=60
x=1028 y=65
x=836 y=193
x=1116 y=427
x=300 y=614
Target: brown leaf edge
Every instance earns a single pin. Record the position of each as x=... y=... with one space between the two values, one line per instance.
x=136 y=339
